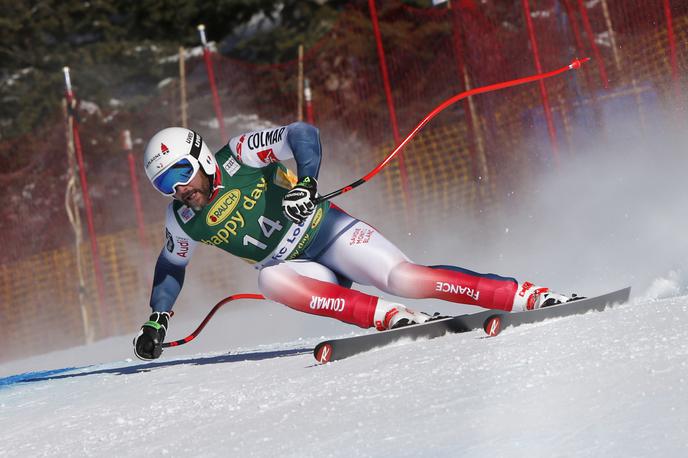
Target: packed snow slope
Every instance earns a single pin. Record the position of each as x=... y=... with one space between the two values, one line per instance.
x=609 y=383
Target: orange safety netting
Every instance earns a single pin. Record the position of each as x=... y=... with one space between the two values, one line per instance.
x=467 y=157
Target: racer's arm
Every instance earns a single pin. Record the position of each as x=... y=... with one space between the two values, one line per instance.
x=171 y=265
x=298 y=140
x=167 y=283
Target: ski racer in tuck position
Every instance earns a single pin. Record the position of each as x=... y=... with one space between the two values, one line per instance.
x=243 y=200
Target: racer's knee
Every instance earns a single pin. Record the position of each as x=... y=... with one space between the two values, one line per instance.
x=403 y=279
x=273 y=279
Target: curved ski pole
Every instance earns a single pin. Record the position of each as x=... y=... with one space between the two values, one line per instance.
x=210 y=314
x=576 y=64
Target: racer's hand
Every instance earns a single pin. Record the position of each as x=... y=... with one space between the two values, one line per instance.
x=300 y=201
x=148 y=342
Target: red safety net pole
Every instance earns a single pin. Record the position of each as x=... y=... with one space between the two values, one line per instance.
x=463 y=77
x=672 y=48
x=211 y=78
x=580 y=45
x=543 y=90
x=390 y=103
x=595 y=49
x=128 y=148
x=100 y=282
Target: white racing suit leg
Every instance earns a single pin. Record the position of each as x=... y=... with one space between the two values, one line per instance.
x=349 y=249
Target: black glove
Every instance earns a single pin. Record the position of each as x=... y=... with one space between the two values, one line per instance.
x=148 y=343
x=300 y=201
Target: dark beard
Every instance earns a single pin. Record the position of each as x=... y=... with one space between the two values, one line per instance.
x=203 y=190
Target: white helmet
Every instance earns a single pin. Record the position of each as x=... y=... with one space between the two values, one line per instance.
x=173 y=156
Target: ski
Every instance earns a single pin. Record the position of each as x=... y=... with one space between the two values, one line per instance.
x=491 y=321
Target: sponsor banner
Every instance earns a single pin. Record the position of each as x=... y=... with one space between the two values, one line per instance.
x=231 y=214
x=317 y=217
x=293 y=241
x=185 y=213
x=264 y=138
x=267 y=156
x=232 y=166
x=259 y=140
x=224 y=207
x=444 y=287
x=177 y=245
x=336 y=304
x=183 y=245
x=361 y=236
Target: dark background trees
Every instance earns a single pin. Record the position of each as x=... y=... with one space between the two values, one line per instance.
x=118 y=47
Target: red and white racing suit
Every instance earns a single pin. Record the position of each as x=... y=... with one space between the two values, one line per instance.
x=344 y=251
x=349 y=250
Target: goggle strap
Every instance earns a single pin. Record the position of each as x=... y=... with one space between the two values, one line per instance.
x=196 y=143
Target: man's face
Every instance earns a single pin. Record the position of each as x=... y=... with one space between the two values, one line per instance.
x=195 y=193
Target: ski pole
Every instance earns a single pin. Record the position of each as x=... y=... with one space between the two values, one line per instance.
x=210 y=314
x=576 y=64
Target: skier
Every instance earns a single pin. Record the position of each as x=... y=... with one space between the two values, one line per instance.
x=245 y=201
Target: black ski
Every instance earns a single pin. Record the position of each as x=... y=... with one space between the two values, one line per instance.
x=491 y=321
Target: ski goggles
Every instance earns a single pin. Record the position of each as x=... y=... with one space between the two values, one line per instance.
x=180 y=173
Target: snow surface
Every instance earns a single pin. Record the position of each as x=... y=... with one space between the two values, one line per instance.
x=609 y=383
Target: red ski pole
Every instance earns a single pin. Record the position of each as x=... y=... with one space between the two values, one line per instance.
x=444 y=105
x=210 y=314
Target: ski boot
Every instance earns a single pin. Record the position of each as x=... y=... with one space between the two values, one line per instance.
x=531 y=297
x=392 y=316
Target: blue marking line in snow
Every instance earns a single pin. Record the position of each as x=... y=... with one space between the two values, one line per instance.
x=136 y=368
x=30 y=376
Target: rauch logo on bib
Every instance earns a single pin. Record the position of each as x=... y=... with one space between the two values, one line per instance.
x=223 y=207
